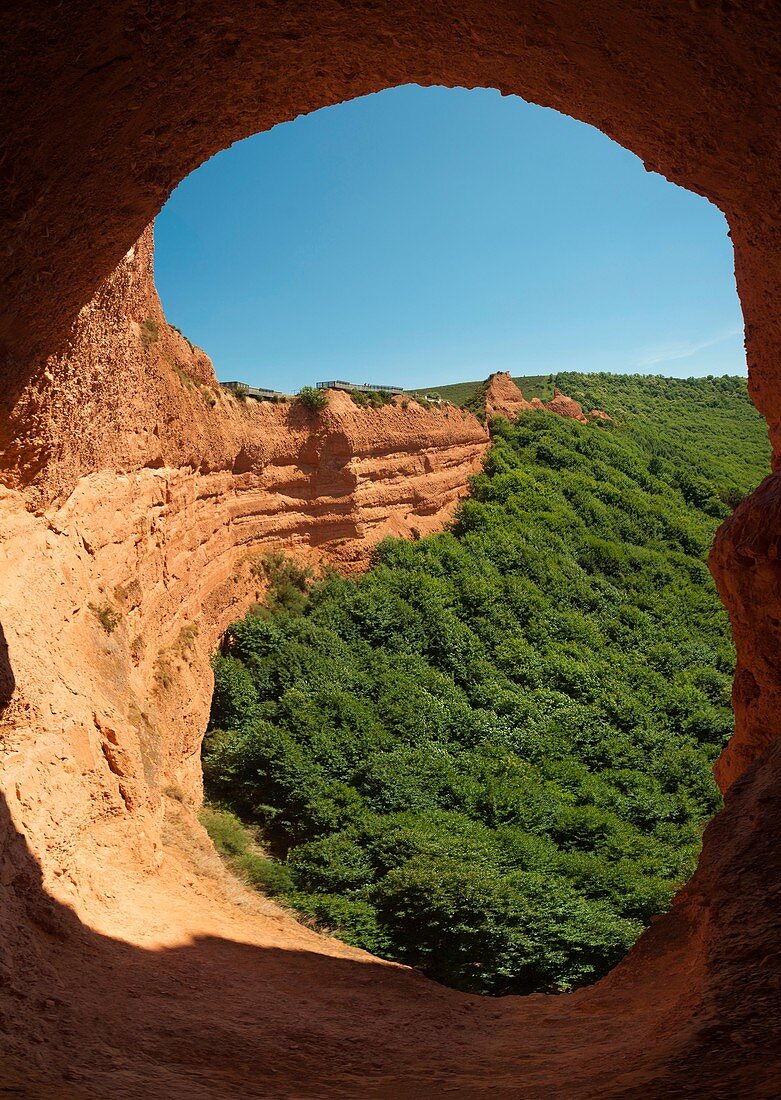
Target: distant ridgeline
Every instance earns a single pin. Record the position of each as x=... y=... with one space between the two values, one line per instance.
x=464 y=393
x=489 y=757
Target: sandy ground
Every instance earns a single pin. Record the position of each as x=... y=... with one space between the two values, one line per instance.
x=214 y=991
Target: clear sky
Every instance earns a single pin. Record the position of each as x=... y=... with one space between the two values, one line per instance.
x=425 y=236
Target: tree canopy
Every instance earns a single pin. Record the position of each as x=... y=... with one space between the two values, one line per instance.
x=490 y=756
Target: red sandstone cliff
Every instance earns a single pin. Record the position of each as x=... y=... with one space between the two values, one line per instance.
x=130 y=394
x=504 y=398
x=135 y=497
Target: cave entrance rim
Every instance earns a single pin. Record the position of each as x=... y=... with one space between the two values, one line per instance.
x=143 y=124
x=143 y=97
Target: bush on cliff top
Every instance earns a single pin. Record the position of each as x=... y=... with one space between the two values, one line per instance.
x=313 y=399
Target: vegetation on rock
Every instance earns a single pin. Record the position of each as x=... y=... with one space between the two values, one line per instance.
x=108 y=616
x=490 y=756
x=238 y=847
x=313 y=399
x=374 y=400
x=150 y=333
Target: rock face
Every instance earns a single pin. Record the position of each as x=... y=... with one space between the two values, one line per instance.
x=746 y=564
x=123 y=970
x=566 y=406
x=131 y=523
x=131 y=395
x=504 y=398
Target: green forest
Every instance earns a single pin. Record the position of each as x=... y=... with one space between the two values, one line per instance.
x=490 y=756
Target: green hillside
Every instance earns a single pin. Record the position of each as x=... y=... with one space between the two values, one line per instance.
x=490 y=756
x=533 y=385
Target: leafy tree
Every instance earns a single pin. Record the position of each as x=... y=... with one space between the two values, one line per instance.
x=313 y=399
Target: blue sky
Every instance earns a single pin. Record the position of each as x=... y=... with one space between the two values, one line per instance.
x=425 y=236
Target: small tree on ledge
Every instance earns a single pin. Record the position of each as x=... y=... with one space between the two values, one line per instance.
x=313 y=399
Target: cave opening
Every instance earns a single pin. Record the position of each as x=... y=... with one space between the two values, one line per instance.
x=273 y=232
x=140 y=99
x=433 y=236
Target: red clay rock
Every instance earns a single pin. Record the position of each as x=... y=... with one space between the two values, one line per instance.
x=503 y=397
x=746 y=564
x=566 y=406
x=131 y=394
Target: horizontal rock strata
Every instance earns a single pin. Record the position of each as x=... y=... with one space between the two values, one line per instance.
x=137 y=501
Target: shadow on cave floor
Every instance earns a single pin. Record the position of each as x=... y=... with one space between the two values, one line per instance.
x=7 y=680
x=82 y=1014
x=86 y=1015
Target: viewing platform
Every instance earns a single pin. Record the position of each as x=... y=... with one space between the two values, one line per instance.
x=243 y=390
x=360 y=387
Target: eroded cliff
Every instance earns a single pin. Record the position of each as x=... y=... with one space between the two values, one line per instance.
x=502 y=397
x=137 y=498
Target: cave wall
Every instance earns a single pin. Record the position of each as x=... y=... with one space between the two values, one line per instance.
x=132 y=524
x=106 y=108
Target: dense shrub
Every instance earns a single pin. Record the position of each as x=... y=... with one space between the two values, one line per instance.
x=376 y=399
x=490 y=756
x=313 y=399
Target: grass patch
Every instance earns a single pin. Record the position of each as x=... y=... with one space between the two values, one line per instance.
x=238 y=847
x=163 y=671
x=185 y=642
x=129 y=595
x=108 y=616
x=150 y=333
